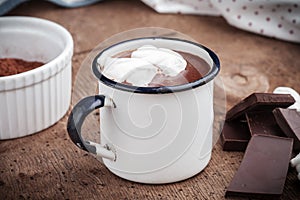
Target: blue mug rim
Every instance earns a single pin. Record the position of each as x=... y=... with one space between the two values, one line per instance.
x=161 y=89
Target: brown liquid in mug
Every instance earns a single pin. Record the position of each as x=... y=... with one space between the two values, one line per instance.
x=196 y=68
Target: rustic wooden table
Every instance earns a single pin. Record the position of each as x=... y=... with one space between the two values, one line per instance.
x=47 y=165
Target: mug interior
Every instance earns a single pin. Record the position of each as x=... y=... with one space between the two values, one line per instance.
x=161 y=42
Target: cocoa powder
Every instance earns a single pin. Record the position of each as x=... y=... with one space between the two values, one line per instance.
x=11 y=66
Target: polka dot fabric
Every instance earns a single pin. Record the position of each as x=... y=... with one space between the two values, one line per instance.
x=203 y=7
x=273 y=18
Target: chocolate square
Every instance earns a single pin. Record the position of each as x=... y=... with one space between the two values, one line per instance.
x=263 y=123
x=289 y=122
x=235 y=136
x=259 y=102
x=264 y=167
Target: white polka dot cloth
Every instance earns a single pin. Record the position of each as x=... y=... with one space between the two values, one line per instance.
x=274 y=18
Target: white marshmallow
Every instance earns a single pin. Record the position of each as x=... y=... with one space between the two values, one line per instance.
x=169 y=62
x=295 y=161
x=298 y=168
x=135 y=71
x=144 y=64
x=287 y=90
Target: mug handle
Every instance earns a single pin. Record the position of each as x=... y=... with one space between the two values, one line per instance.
x=76 y=119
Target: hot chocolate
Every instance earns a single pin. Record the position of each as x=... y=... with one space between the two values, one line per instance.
x=149 y=66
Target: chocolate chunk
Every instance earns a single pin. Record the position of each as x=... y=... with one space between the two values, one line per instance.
x=263 y=123
x=235 y=136
x=289 y=122
x=259 y=102
x=264 y=167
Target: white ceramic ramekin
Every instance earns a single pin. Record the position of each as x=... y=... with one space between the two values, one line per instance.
x=36 y=99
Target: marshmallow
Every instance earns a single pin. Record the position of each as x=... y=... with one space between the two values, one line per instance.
x=135 y=71
x=298 y=168
x=287 y=90
x=169 y=62
x=144 y=64
x=295 y=162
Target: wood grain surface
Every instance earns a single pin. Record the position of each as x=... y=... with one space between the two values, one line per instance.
x=47 y=165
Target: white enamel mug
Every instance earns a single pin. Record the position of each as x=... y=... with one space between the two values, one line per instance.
x=151 y=134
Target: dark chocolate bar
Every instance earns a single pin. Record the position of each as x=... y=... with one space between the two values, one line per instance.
x=235 y=136
x=264 y=167
x=259 y=102
x=264 y=123
x=289 y=122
